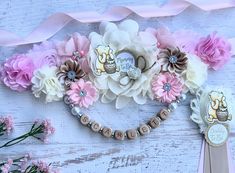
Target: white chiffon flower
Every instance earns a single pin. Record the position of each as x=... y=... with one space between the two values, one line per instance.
x=126 y=81
x=45 y=82
x=196 y=73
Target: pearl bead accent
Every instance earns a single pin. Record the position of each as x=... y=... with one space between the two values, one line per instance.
x=75 y=111
x=172 y=106
x=182 y=97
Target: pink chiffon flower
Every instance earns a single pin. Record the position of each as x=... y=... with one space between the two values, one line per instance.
x=76 y=47
x=164 y=37
x=44 y=54
x=82 y=93
x=186 y=40
x=213 y=50
x=166 y=87
x=17 y=72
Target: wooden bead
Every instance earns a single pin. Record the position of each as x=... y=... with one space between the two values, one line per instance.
x=119 y=135
x=131 y=134
x=107 y=132
x=163 y=114
x=154 y=122
x=95 y=127
x=144 y=129
x=84 y=120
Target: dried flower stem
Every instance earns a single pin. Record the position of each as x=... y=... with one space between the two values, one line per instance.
x=35 y=130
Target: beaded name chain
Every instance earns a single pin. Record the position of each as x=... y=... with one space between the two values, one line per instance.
x=142 y=130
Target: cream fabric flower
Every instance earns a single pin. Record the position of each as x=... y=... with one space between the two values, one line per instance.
x=118 y=84
x=46 y=82
x=196 y=73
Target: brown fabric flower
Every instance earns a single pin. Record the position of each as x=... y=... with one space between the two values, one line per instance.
x=70 y=71
x=173 y=60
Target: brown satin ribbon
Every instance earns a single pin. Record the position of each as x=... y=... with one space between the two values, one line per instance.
x=215 y=159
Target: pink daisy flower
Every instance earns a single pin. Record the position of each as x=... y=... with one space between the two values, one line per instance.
x=166 y=87
x=82 y=93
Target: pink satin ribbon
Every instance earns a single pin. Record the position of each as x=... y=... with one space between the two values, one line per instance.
x=201 y=161
x=57 y=21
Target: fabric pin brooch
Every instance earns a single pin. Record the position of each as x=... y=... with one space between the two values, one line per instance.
x=212 y=111
x=120 y=64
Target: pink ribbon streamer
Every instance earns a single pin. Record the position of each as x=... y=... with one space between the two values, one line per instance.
x=57 y=21
x=201 y=161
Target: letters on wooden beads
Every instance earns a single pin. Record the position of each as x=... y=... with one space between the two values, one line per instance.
x=163 y=114
x=107 y=132
x=131 y=134
x=144 y=129
x=119 y=135
x=95 y=127
x=154 y=122
x=84 y=120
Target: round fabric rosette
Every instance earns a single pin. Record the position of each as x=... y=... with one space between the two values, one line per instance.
x=123 y=62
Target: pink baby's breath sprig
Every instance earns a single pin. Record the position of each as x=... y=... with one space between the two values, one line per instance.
x=14 y=165
x=41 y=130
x=5 y=167
x=40 y=167
x=6 y=125
x=44 y=130
x=25 y=165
